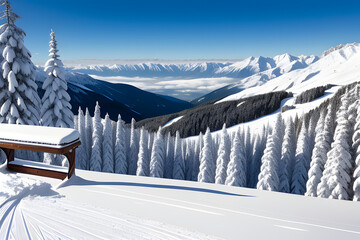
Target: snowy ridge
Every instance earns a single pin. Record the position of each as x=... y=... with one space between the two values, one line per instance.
x=339 y=66
x=239 y=69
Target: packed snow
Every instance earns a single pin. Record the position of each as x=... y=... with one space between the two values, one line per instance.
x=128 y=207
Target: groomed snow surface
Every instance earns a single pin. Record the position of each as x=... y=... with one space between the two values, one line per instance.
x=93 y=205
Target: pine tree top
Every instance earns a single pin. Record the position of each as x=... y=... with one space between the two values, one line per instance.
x=8 y=13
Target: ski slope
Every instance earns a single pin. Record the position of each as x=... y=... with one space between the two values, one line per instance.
x=95 y=205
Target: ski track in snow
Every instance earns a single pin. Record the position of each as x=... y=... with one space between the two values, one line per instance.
x=29 y=214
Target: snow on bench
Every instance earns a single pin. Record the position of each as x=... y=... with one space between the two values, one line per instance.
x=62 y=141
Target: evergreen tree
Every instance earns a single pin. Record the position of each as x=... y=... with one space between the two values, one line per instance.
x=18 y=91
x=120 y=148
x=157 y=162
x=143 y=164
x=56 y=108
x=248 y=153
x=207 y=163
x=108 y=147
x=223 y=157
x=339 y=157
x=96 y=152
x=302 y=162
x=196 y=165
x=179 y=164
x=287 y=157
x=236 y=170
x=88 y=137
x=356 y=147
x=169 y=157
x=269 y=172
x=318 y=159
x=133 y=150
x=189 y=160
x=329 y=129
x=260 y=144
x=81 y=154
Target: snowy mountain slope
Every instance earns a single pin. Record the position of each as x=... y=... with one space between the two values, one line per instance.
x=118 y=206
x=115 y=99
x=339 y=66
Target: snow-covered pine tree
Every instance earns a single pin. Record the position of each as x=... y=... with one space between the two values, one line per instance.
x=189 y=160
x=302 y=162
x=169 y=161
x=287 y=156
x=223 y=157
x=88 y=137
x=81 y=153
x=197 y=157
x=269 y=172
x=339 y=157
x=108 y=147
x=143 y=164
x=157 y=162
x=120 y=148
x=236 y=169
x=207 y=163
x=133 y=150
x=179 y=164
x=96 y=152
x=248 y=152
x=56 y=107
x=19 y=90
x=329 y=129
x=259 y=148
x=318 y=158
x=356 y=147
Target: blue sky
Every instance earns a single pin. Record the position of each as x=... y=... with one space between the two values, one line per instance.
x=174 y=29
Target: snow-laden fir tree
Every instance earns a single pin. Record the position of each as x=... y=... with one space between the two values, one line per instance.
x=248 y=152
x=143 y=164
x=19 y=100
x=259 y=148
x=179 y=164
x=97 y=139
x=329 y=129
x=169 y=157
x=223 y=156
x=269 y=171
x=318 y=158
x=108 y=147
x=339 y=157
x=287 y=156
x=207 y=163
x=302 y=162
x=197 y=157
x=120 y=148
x=356 y=147
x=81 y=153
x=88 y=137
x=189 y=160
x=236 y=170
x=56 y=107
x=158 y=155
x=133 y=150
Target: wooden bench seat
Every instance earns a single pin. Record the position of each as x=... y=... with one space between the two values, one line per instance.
x=62 y=141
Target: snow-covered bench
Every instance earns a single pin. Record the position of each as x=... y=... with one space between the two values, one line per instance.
x=62 y=141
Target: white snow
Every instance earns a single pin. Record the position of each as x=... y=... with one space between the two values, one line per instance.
x=338 y=67
x=172 y=121
x=93 y=205
x=37 y=135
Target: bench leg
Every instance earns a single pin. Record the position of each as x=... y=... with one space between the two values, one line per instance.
x=71 y=159
x=10 y=155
